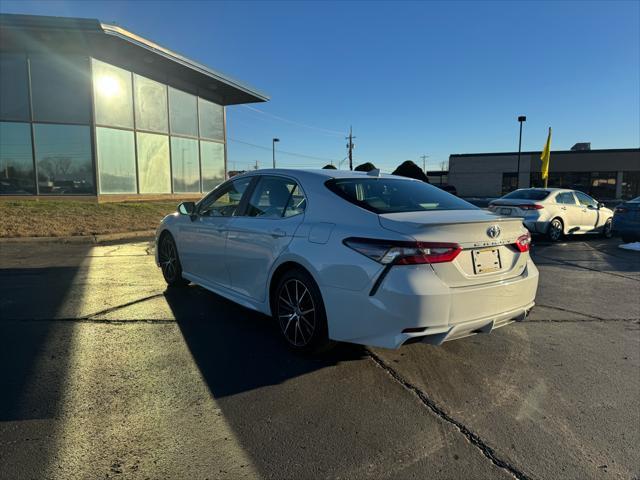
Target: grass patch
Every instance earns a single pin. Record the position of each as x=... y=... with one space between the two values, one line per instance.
x=61 y=218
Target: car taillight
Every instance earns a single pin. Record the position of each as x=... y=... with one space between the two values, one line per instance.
x=404 y=253
x=533 y=206
x=523 y=242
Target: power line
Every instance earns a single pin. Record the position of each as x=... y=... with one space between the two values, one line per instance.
x=295 y=154
x=293 y=122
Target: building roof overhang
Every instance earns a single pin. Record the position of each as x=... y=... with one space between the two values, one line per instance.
x=114 y=44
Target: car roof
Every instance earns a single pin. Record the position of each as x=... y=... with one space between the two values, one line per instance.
x=324 y=173
x=550 y=190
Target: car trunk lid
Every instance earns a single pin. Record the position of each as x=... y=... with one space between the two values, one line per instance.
x=484 y=259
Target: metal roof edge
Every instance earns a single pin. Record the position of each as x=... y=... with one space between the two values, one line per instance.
x=142 y=42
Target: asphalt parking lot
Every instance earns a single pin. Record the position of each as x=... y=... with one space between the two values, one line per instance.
x=105 y=374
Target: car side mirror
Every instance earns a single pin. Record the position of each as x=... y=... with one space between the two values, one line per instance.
x=601 y=205
x=187 y=208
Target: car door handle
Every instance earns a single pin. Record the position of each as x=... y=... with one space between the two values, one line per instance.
x=563 y=208
x=278 y=232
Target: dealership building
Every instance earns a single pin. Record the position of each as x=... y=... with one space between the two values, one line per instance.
x=92 y=110
x=609 y=174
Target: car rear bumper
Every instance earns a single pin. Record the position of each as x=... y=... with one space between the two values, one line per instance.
x=413 y=304
x=536 y=226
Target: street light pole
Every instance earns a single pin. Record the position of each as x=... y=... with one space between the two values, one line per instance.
x=521 y=119
x=273 y=145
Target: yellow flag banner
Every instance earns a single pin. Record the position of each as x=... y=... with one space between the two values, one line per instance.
x=546 y=155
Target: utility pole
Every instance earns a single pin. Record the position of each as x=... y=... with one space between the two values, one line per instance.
x=350 y=146
x=442 y=164
x=256 y=166
x=424 y=163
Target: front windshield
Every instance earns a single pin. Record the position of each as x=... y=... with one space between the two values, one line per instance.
x=391 y=195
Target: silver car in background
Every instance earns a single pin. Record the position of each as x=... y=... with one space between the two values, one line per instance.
x=555 y=212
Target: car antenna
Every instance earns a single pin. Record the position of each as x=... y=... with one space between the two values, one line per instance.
x=374 y=173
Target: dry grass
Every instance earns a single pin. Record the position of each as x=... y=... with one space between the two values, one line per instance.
x=61 y=218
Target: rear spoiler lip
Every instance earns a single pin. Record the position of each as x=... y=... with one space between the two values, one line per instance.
x=465 y=222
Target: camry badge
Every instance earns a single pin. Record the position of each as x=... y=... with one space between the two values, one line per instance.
x=493 y=231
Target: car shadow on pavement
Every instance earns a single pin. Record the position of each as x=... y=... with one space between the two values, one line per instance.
x=35 y=356
x=237 y=349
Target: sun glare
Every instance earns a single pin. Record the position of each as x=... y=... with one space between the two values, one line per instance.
x=108 y=86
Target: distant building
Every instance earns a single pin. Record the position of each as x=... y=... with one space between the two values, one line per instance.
x=90 y=109
x=605 y=174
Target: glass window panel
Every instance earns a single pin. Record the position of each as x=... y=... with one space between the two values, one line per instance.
x=153 y=163
x=116 y=160
x=211 y=120
x=224 y=202
x=185 y=165
x=16 y=159
x=151 y=105
x=183 y=113
x=60 y=89
x=275 y=197
x=63 y=156
x=212 y=164
x=14 y=94
x=112 y=95
x=630 y=185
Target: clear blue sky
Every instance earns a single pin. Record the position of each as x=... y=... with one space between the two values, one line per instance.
x=412 y=78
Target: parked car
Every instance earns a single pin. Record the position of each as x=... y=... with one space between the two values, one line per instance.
x=626 y=220
x=351 y=256
x=555 y=212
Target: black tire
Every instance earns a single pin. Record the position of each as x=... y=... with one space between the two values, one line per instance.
x=606 y=229
x=170 y=261
x=555 y=231
x=298 y=309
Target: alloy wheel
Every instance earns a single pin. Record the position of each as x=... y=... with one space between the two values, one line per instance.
x=555 y=230
x=296 y=312
x=168 y=258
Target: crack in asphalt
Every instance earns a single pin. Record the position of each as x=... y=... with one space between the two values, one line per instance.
x=92 y=320
x=118 y=307
x=561 y=309
x=471 y=436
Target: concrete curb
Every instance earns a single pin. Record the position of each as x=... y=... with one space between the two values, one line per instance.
x=85 y=239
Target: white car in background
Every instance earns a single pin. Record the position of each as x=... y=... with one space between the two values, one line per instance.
x=555 y=212
x=349 y=256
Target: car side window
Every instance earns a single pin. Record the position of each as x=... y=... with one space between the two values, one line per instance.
x=565 y=198
x=275 y=197
x=585 y=200
x=225 y=202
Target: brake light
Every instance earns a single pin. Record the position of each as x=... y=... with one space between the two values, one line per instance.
x=533 y=206
x=404 y=253
x=523 y=242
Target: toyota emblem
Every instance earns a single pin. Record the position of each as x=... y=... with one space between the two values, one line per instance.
x=493 y=231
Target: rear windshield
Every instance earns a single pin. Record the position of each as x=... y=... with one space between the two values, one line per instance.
x=528 y=195
x=390 y=195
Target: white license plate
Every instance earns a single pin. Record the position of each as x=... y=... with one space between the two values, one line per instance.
x=486 y=260
x=505 y=211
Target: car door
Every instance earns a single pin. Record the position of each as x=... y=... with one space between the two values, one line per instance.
x=589 y=208
x=202 y=241
x=258 y=237
x=571 y=211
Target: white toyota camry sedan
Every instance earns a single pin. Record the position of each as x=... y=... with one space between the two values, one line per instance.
x=347 y=256
x=556 y=212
